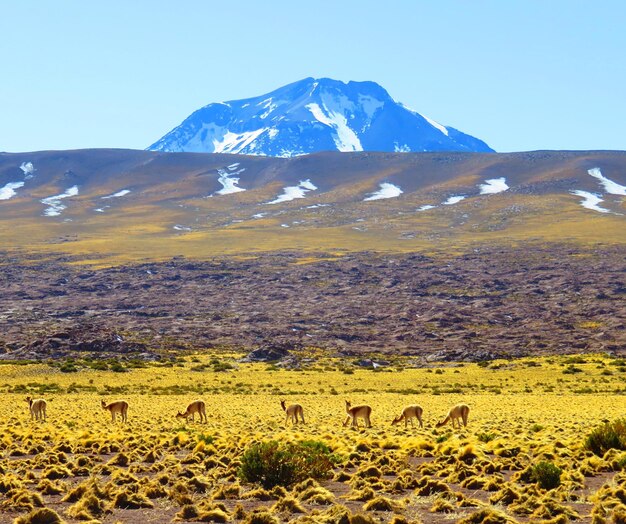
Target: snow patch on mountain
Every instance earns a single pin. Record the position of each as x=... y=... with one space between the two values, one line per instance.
x=386 y=190
x=436 y=125
x=229 y=181
x=8 y=191
x=293 y=192
x=454 y=200
x=28 y=169
x=370 y=105
x=426 y=207
x=610 y=186
x=269 y=106
x=590 y=200
x=54 y=203
x=235 y=142
x=493 y=186
x=119 y=194
x=345 y=138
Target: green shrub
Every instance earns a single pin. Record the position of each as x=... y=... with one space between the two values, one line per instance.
x=118 y=367
x=611 y=435
x=68 y=367
x=546 y=474
x=274 y=463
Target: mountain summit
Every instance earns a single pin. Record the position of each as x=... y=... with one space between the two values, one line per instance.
x=314 y=115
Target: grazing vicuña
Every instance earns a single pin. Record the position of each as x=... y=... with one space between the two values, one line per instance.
x=460 y=411
x=409 y=413
x=198 y=407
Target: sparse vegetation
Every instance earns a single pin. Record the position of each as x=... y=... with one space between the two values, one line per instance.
x=611 y=435
x=516 y=449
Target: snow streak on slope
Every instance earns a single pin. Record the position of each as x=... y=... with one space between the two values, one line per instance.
x=293 y=192
x=235 y=142
x=121 y=193
x=8 y=191
x=386 y=190
x=610 y=187
x=230 y=182
x=345 y=138
x=436 y=125
x=55 y=207
x=590 y=200
x=493 y=186
x=454 y=200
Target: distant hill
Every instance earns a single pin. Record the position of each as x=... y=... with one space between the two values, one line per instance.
x=119 y=205
x=314 y=115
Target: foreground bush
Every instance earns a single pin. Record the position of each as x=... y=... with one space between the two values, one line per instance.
x=546 y=474
x=611 y=435
x=274 y=463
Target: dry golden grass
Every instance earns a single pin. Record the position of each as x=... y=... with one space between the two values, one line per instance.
x=156 y=468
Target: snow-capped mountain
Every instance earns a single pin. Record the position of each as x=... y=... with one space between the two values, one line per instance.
x=314 y=115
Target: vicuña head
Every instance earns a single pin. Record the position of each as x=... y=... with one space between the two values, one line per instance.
x=198 y=406
x=456 y=413
x=293 y=411
x=357 y=412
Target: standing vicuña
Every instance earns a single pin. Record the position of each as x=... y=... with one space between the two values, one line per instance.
x=198 y=407
x=409 y=413
x=292 y=411
x=37 y=408
x=460 y=411
x=119 y=406
x=357 y=412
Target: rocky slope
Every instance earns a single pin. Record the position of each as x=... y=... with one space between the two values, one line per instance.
x=492 y=302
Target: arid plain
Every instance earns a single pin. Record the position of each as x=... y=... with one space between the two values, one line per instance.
x=510 y=302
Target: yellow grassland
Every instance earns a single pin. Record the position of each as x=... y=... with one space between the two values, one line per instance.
x=522 y=411
x=145 y=232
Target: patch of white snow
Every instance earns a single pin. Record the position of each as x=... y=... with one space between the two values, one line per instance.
x=590 y=200
x=229 y=182
x=293 y=192
x=426 y=207
x=386 y=190
x=493 y=186
x=370 y=105
x=178 y=227
x=610 y=187
x=55 y=207
x=401 y=148
x=269 y=106
x=435 y=124
x=235 y=142
x=121 y=193
x=454 y=200
x=28 y=169
x=345 y=138
x=8 y=191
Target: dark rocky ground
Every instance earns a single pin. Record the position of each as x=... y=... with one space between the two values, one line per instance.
x=497 y=302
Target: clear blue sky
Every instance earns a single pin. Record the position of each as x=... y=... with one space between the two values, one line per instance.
x=521 y=75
